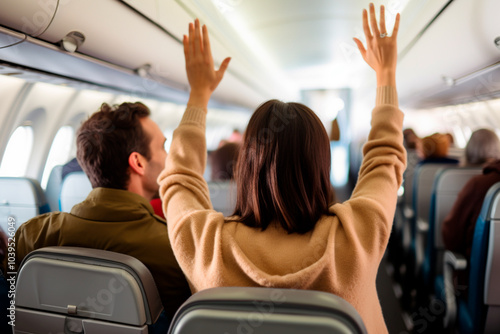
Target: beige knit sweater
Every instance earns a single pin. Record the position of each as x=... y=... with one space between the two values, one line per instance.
x=341 y=255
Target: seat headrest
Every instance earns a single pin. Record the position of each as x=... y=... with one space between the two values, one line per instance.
x=227 y=309
x=56 y=279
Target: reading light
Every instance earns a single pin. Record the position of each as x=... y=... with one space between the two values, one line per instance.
x=449 y=81
x=143 y=71
x=72 y=41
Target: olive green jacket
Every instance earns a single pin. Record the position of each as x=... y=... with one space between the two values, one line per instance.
x=113 y=220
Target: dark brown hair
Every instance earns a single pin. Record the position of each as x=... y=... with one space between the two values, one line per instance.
x=106 y=140
x=223 y=161
x=283 y=169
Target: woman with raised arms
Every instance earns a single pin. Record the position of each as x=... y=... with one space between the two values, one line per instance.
x=285 y=231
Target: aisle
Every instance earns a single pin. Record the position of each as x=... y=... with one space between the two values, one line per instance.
x=393 y=313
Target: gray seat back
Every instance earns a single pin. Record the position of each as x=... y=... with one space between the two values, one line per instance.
x=492 y=276
x=424 y=180
x=223 y=196
x=53 y=188
x=266 y=311
x=21 y=199
x=449 y=183
x=70 y=289
x=412 y=160
x=75 y=188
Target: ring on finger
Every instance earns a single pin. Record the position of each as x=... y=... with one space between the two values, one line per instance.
x=383 y=35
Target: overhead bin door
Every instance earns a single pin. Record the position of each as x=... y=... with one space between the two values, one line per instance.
x=444 y=63
x=115 y=33
x=28 y=16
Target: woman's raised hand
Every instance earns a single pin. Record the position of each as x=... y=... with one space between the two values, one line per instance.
x=381 y=49
x=202 y=76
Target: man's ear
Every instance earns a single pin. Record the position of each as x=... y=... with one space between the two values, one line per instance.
x=137 y=163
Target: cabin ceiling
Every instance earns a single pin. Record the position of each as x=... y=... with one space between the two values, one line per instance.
x=303 y=44
x=278 y=47
x=310 y=42
x=298 y=36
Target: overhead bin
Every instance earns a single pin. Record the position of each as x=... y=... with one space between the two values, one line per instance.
x=116 y=34
x=10 y=38
x=28 y=16
x=454 y=59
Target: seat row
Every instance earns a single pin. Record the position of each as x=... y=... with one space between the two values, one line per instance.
x=22 y=198
x=81 y=290
x=424 y=266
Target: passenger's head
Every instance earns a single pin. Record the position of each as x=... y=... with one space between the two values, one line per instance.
x=120 y=147
x=410 y=138
x=483 y=146
x=283 y=169
x=223 y=161
x=436 y=146
x=413 y=142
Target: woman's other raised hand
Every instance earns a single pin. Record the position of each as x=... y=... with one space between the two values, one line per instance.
x=381 y=49
x=202 y=76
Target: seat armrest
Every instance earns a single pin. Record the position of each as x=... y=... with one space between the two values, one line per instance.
x=422 y=226
x=452 y=262
x=408 y=213
x=420 y=240
x=455 y=261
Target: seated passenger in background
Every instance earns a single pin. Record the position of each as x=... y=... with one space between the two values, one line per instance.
x=70 y=167
x=458 y=227
x=236 y=137
x=285 y=232
x=122 y=152
x=414 y=154
x=435 y=148
x=483 y=147
x=413 y=142
x=223 y=161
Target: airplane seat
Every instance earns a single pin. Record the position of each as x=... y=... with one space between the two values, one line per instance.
x=266 y=311
x=21 y=199
x=415 y=229
x=74 y=189
x=400 y=240
x=53 y=188
x=422 y=190
x=83 y=290
x=447 y=185
x=477 y=311
x=223 y=196
x=456 y=153
x=491 y=287
x=412 y=162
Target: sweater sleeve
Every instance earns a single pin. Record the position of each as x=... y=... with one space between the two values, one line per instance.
x=192 y=224
x=367 y=216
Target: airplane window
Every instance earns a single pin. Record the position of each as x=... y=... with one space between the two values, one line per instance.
x=59 y=151
x=340 y=164
x=460 y=139
x=467 y=132
x=18 y=151
x=168 y=133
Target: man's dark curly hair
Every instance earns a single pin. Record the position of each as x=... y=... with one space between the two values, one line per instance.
x=106 y=140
